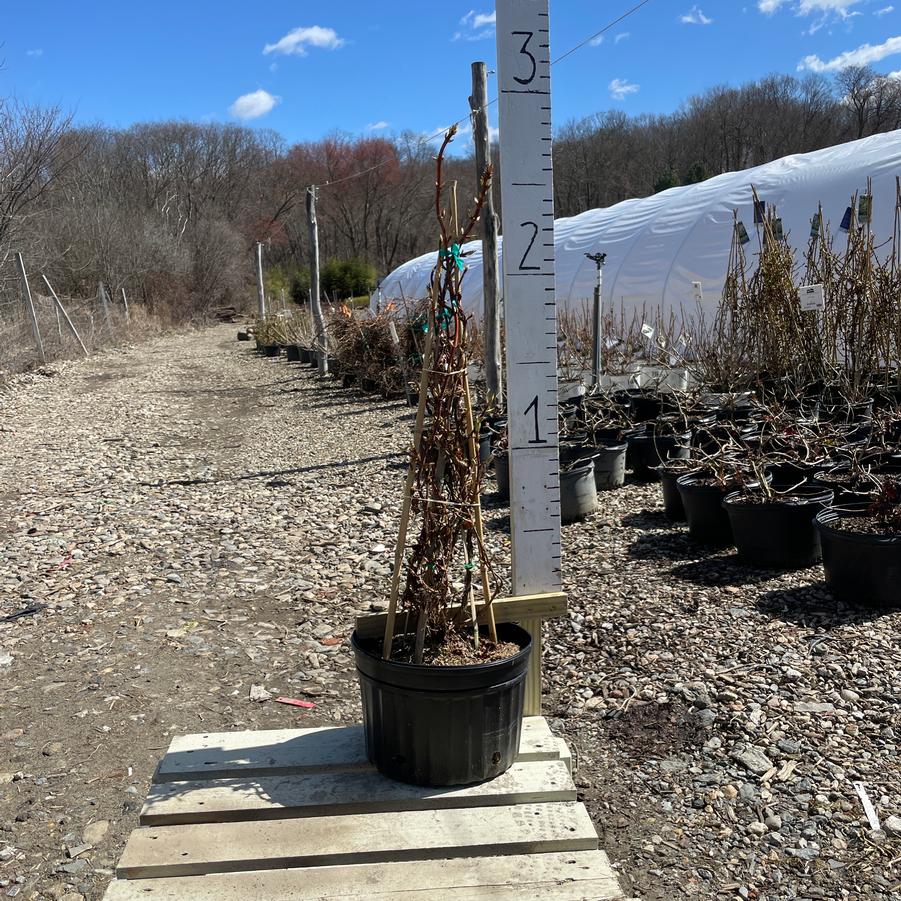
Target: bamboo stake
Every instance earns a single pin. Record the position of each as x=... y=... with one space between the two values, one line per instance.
x=388 y=640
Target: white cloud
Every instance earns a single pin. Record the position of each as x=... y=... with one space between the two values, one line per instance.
x=381 y=125
x=476 y=26
x=621 y=36
x=620 y=88
x=894 y=74
x=826 y=9
x=298 y=41
x=597 y=40
x=884 y=11
x=864 y=55
x=695 y=16
x=36 y=53
x=253 y=105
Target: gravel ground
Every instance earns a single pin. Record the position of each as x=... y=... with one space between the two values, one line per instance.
x=189 y=529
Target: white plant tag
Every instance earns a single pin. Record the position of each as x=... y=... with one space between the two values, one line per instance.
x=812 y=298
x=647 y=331
x=698 y=289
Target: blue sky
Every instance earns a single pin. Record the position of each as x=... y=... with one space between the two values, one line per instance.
x=306 y=69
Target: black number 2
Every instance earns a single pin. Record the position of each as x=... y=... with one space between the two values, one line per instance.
x=522 y=262
x=528 y=35
x=534 y=407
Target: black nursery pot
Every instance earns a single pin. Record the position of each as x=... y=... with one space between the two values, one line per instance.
x=271 y=350
x=443 y=725
x=292 y=352
x=862 y=570
x=672 y=500
x=778 y=535
x=708 y=522
x=650 y=450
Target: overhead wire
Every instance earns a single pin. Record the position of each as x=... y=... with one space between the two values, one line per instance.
x=462 y=119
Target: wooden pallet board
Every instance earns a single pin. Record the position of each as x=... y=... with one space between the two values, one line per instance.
x=278 y=752
x=301 y=814
x=342 y=793
x=561 y=876
x=356 y=838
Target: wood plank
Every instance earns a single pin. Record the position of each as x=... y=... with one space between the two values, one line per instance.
x=359 y=838
x=588 y=872
x=506 y=610
x=343 y=793
x=279 y=752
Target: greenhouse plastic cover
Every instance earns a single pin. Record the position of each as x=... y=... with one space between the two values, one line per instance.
x=658 y=246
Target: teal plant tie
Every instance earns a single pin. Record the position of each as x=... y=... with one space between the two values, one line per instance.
x=454 y=252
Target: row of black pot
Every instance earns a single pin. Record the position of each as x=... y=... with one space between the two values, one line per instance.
x=584 y=471
x=790 y=531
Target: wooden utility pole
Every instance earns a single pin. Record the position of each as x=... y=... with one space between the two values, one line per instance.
x=125 y=304
x=321 y=339
x=491 y=326
x=29 y=308
x=261 y=292
x=104 y=303
x=61 y=309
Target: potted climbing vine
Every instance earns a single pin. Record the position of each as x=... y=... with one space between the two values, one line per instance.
x=443 y=687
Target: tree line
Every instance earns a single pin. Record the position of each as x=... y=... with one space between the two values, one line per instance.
x=172 y=210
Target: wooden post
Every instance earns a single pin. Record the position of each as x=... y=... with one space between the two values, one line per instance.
x=61 y=309
x=491 y=329
x=321 y=338
x=261 y=292
x=29 y=308
x=104 y=303
x=125 y=304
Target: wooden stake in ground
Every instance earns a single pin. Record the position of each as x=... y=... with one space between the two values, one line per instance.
x=29 y=308
x=104 y=304
x=125 y=305
x=321 y=338
x=261 y=292
x=491 y=301
x=61 y=309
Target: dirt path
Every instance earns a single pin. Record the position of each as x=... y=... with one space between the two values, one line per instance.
x=185 y=511
x=186 y=527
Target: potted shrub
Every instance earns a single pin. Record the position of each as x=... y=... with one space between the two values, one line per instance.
x=862 y=549
x=442 y=695
x=774 y=529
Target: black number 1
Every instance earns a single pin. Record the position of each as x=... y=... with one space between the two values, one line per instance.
x=534 y=406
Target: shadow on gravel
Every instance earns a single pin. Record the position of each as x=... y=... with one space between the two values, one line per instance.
x=649 y=519
x=652 y=730
x=717 y=572
x=671 y=546
x=813 y=605
x=277 y=473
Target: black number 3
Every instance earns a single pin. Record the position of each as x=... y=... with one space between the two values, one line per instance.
x=529 y=35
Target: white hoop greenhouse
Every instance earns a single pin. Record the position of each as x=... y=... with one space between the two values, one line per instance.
x=657 y=246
